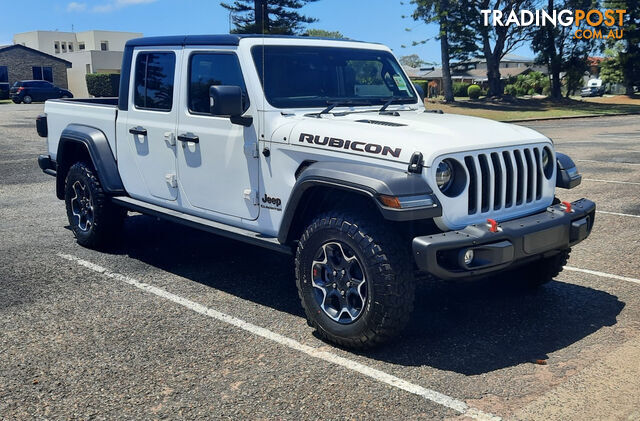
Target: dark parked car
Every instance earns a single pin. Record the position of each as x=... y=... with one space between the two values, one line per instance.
x=28 y=91
x=4 y=90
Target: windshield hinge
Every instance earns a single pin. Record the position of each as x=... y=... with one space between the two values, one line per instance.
x=416 y=163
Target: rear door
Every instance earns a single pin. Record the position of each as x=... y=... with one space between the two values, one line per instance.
x=219 y=173
x=146 y=143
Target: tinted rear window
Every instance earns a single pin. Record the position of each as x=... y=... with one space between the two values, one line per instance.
x=154 y=81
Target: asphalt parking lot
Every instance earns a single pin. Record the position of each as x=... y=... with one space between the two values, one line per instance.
x=175 y=323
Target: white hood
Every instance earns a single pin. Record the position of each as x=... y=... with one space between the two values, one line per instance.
x=397 y=138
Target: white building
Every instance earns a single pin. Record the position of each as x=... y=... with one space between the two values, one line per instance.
x=88 y=51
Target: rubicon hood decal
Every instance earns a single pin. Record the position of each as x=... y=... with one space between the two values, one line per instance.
x=334 y=142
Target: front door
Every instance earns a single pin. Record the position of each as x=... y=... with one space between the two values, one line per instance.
x=217 y=160
x=149 y=131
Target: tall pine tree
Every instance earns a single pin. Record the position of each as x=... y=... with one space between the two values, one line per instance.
x=268 y=16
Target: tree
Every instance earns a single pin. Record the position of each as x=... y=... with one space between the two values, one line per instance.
x=457 y=38
x=321 y=33
x=268 y=16
x=610 y=68
x=412 y=60
x=498 y=41
x=559 y=51
x=628 y=57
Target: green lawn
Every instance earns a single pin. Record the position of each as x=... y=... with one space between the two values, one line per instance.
x=520 y=109
x=5 y=101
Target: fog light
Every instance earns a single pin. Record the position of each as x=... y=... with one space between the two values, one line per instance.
x=468 y=257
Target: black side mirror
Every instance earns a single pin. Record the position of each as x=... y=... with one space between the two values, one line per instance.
x=226 y=101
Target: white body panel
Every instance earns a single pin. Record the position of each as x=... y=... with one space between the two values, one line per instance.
x=61 y=114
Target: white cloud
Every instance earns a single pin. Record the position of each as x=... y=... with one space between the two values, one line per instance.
x=118 y=4
x=76 y=7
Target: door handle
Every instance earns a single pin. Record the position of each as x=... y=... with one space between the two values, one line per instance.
x=188 y=137
x=138 y=130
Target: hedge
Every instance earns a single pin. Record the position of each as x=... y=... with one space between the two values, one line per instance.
x=103 y=84
x=460 y=89
x=474 y=91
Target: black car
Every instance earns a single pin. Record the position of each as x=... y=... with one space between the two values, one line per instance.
x=28 y=91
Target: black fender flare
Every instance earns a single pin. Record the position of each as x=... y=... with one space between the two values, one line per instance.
x=567 y=176
x=363 y=179
x=102 y=158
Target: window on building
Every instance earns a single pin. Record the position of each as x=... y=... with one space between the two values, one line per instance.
x=71 y=47
x=81 y=46
x=212 y=69
x=4 y=74
x=64 y=47
x=56 y=47
x=154 y=77
x=43 y=73
x=104 y=45
x=88 y=68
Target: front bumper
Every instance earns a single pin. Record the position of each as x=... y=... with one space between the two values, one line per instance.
x=516 y=241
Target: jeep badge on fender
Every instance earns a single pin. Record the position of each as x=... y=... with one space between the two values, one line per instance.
x=367 y=190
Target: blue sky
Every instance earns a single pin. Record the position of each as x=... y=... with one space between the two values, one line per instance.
x=367 y=20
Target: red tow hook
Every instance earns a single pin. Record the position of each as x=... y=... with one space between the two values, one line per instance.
x=567 y=207
x=493 y=225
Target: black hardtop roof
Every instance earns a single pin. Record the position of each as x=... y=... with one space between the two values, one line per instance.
x=233 y=39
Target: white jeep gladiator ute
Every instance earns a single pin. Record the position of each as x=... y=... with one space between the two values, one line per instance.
x=322 y=149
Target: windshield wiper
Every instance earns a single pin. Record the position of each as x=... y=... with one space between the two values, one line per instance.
x=389 y=102
x=345 y=103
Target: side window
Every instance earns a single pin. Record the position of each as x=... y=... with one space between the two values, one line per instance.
x=47 y=74
x=206 y=69
x=154 y=80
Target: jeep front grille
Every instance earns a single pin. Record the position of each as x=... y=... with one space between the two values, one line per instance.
x=504 y=179
x=497 y=183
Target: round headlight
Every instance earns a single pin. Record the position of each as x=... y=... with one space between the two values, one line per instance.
x=444 y=175
x=545 y=157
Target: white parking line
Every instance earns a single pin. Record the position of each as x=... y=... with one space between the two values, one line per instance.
x=605 y=162
x=603 y=274
x=380 y=376
x=611 y=181
x=618 y=214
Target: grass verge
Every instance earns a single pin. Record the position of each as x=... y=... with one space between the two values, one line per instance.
x=520 y=109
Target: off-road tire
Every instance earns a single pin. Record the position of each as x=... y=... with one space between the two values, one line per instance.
x=385 y=261
x=534 y=275
x=107 y=218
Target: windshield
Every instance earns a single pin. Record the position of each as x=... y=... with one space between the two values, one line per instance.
x=311 y=77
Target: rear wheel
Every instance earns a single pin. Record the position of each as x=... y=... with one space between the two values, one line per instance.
x=27 y=99
x=93 y=219
x=354 y=280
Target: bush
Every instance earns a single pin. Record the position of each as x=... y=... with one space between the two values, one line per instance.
x=103 y=84
x=460 y=89
x=474 y=91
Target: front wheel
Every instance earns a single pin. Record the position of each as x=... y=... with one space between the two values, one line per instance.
x=93 y=219
x=354 y=280
x=27 y=99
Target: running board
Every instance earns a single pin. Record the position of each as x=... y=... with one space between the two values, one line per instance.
x=202 y=224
